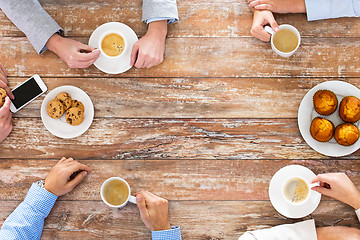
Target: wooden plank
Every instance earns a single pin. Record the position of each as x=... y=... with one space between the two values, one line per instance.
x=174 y=180
x=198 y=219
x=164 y=139
x=187 y=97
x=197 y=19
x=204 y=57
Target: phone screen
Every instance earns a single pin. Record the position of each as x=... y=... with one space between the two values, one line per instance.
x=26 y=92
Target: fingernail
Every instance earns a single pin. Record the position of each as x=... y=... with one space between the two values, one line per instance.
x=139 y=198
x=85 y=173
x=276 y=29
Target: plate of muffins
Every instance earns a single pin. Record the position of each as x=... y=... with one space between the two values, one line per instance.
x=328 y=118
x=67 y=112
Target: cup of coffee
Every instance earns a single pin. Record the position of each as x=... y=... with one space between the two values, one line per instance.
x=112 y=44
x=116 y=192
x=286 y=41
x=297 y=190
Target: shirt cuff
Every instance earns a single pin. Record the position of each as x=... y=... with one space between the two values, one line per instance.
x=169 y=20
x=40 y=199
x=172 y=234
x=60 y=32
x=358 y=213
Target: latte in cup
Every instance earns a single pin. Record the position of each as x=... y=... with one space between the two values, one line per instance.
x=113 y=44
x=296 y=190
x=116 y=192
x=285 y=40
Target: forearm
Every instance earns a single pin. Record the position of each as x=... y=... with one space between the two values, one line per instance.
x=27 y=220
x=324 y=9
x=32 y=19
x=158 y=29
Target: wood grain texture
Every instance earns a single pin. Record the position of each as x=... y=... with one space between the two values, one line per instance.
x=198 y=219
x=203 y=18
x=212 y=179
x=205 y=57
x=165 y=139
x=187 y=97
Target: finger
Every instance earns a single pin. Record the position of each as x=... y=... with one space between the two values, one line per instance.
x=78 y=179
x=140 y=200
x=262 y=34
x=85 y=47
x=5 y=109
x=322 y=190
x=76 y=166
x=263 y=7
x=3 y=77
x=140 y=61
x=322 y=178
x=7 y=89
x=273 y=23
x=67 y=160
x=256 y=3
x=134 y=53
x=62 y=159
x=3 y=70
x=8 y=118
x=87 y=57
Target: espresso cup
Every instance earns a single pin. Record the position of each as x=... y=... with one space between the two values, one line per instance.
x=287 y=189
x=102 y=38
x=126 y=190
x=284 y=27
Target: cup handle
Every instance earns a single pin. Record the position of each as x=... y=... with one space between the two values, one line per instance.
x=269 y=30
x=315 y=184
x=132 y=199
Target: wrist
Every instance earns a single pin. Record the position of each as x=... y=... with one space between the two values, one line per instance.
x=162 y=228
x=157 y=29
x=356 y=201
x=53 y=42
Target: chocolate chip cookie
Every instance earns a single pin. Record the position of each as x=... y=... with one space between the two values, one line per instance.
x=65 y=99
x=55 y=109
x=76 y=103
x=74 y=116
x=2 y=96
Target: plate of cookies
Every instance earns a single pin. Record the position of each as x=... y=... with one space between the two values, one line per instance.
x=67 y=112
x=328 y=118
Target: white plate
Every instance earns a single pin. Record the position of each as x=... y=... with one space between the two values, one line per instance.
x=59 y=127
x=280 y=204
x=118 y=65
x=307 y=113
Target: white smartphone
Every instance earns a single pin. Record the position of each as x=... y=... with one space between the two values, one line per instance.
x=27 y=92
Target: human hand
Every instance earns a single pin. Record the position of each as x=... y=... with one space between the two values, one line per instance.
x=262 y=18
x=149 y=50
x=5 y=120
x=154 y=211
x=58 y=181
x=74 y=53
x=4 y=81
x=338 y=186
x=279 y=6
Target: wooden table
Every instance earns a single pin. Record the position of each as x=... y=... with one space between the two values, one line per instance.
x=206 y=129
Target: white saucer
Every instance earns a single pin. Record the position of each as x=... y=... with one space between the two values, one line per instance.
x=275 y=192
x=59 y=127
x=307 y=113
x=118 y=65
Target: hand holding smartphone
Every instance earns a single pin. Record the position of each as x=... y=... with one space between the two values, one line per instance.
x=27 y=92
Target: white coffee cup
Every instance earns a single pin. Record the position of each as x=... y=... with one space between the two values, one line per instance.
x=309 y=186
x=284 y=26
x=102 y=38
x=130 y=198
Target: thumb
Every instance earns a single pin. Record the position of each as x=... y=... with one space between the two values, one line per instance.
x=273 y=24
x=5 y=109
x=322 y=190
x=78 y=179
x=141 y=204
x=86 y=47
x=134 y=52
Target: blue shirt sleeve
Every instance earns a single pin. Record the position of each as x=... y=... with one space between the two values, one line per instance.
x=170 y=20
x=324 y=9
x=27 y=220
x=172 y=234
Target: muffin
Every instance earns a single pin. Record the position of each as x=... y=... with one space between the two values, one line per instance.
x=349 y=109
x=65 y=99
x=325 y=102
x=321 y=129
x=2 y=96
x=346 y=134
